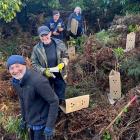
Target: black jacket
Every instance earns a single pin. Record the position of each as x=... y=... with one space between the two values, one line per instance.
x=39 y=103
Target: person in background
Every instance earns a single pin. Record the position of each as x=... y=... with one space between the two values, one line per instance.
x=56 y=26
x=49 y=57
x=77 y=15
x=39 y=104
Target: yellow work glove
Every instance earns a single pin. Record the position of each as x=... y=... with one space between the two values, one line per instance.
x=48 y=73
x=60 y=66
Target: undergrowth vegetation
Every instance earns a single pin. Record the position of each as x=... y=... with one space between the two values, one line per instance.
x=105 y=37
x=131 y=67
x=12 y=125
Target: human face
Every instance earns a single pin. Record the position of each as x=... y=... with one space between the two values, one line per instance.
x=46 y=39
x=77 y=11
x=56 y=17
x=17 y=71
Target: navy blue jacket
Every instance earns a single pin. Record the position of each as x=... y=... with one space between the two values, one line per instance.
x=39 y=103
x=53 y=26
x=79 y=18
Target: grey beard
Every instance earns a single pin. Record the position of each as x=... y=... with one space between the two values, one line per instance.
x=21 y=75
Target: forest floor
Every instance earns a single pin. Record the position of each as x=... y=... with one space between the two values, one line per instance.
x=87 y=123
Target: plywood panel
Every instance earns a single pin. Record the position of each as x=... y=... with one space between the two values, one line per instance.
x=71 y=53
x=115 y=84
x=74 y=26
x=76 y=103
x=130 y=42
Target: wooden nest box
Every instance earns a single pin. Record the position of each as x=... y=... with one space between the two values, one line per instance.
x=75 y=104
x=115 y=84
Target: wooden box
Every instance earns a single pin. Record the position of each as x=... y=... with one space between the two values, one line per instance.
x=71 y=53
x=115 y=84
x=75 y=104
x=130 y=42
x=74 y=26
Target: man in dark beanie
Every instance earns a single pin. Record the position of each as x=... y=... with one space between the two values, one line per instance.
x=39 y=104
x=49 y=57
x=56 y=25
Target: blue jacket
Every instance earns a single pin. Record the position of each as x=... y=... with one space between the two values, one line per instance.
x=79 y=18
x=39 y=103
x=53 y=26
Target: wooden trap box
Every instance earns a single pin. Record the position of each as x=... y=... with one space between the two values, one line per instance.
x=75 y=104
x=71 y=53
x=115 y=84
x=74 y=26
x=130 y=42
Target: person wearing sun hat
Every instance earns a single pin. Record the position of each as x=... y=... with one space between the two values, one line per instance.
x=39 y=104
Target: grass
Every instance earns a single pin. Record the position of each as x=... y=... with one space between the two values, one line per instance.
x=11 y=125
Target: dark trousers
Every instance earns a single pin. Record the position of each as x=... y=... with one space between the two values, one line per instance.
x=79 y=33
x=59 y=86
x=37 y=134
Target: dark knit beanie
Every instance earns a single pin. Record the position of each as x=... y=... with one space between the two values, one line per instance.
x=13 y=59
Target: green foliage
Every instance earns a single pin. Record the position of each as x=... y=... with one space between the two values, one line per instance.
x=1 y=116
x=1 y=56
x=79 y=42
x=71 y=42
x=119 y=53
x=7 y=49
x=80 y=47
x=72 y=92
x=118 y=121
x=75 y=3
x=132 y=8
x=106 y=136
x=131 y=67
x=9 y=8
x=125 y=110
x=98 y=9
x=54 y=4
x=12 y=126
x=133 y=28
x=122 y=2
x=91 y=103
x=104 y=37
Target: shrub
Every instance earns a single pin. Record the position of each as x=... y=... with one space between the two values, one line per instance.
x=132 y=68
